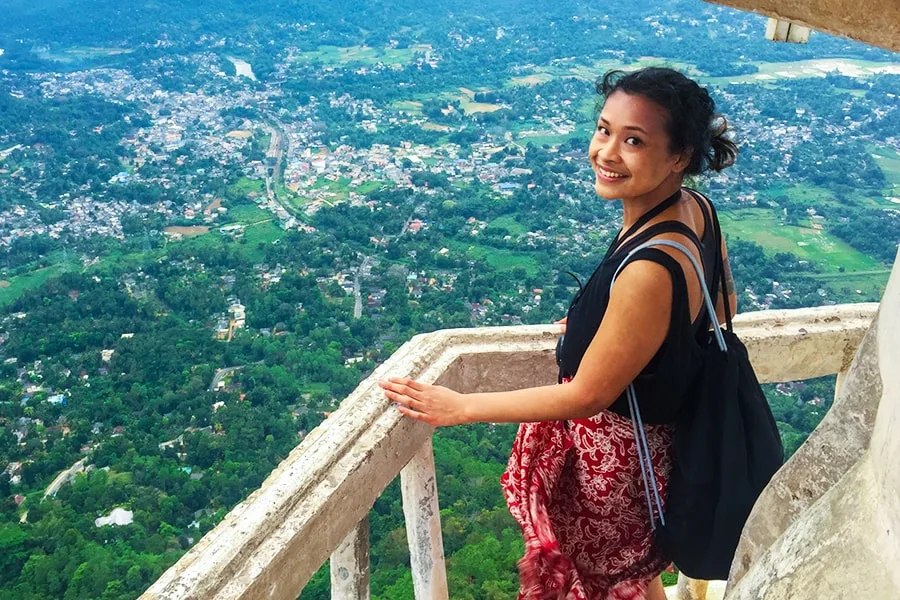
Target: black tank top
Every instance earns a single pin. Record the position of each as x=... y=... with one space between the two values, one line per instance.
x=662 y=384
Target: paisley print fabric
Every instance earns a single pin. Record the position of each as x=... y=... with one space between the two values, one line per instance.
x=578 y=495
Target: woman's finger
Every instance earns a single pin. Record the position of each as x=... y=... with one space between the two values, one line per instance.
x=415 y=415
x=398 y=397
x=405 y=399
x=395 y=385
x=410 y=383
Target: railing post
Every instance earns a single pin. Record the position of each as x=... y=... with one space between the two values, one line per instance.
x=690 y=589
x=350 y=565
x=418 y=486
x=839 y=382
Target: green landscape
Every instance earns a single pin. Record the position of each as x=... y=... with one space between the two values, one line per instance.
x=348 y=55
x=197 y=267
x=807 y=242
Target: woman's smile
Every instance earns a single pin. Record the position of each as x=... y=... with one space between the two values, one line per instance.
x=609 y=175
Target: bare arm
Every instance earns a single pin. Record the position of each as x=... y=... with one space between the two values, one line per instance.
x=633 y=329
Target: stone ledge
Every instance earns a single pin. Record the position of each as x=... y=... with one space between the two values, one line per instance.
x=269 y=545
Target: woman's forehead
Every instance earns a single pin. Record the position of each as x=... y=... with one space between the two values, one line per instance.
x=633 y=110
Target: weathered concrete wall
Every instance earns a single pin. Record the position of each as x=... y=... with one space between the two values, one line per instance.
x=875 y=22
x=845 y=545
x=832 y=449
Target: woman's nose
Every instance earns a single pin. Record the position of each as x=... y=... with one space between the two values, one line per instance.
x=608 y=152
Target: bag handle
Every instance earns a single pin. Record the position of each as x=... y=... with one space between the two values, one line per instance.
x=640 y=436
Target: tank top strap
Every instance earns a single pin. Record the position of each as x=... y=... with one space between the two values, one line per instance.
x=658 y=228
x=705 y=205
x=643 y=220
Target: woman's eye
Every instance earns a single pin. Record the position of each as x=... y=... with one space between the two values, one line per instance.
x=602 y=130
x=634 y=141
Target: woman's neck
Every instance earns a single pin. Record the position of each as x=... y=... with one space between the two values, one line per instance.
x=635 y=208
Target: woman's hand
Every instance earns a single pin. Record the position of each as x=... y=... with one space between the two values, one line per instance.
x=562 y=322
x=432 y=404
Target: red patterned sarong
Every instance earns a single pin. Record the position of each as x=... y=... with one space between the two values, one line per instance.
x=579 y=497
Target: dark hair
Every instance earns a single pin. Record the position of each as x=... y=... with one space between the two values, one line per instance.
x=693 y=122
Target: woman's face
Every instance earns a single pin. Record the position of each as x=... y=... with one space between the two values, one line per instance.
x=630 y=151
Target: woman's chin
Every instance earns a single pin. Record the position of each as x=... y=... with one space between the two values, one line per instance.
x=607 y=192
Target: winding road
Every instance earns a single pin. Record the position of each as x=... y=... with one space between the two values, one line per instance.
x=220 y=374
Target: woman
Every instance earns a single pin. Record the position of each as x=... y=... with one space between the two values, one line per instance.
x=573 y=481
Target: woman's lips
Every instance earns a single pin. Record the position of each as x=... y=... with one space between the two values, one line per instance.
x=610 y=176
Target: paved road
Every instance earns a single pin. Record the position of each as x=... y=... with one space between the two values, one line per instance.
x=275 y=152
x=361 y=273
x=220 y=374
x=64 y=477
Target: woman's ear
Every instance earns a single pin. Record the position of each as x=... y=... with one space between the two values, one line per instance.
x=684 y=159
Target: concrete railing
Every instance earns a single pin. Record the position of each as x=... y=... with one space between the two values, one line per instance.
x=315 y=504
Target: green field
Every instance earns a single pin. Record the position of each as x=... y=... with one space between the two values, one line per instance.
x=506 y=259
x=807 y=194
x=769 y=72
x=370 y=186
x=889 y=161
x=82 y=53
x=466 y=98
x=590 y=71
x=536 y=79
x=264 y=232
x=509 y=223
x=260 y=226
x=802 y=69
x=410 y=106
x=500 y=259
x=245 y=186
x=766 y=229
x=548 y=139
x=339 y=187
x=13 y=287
x=867 y=284
x=539 y=134
x=342 y=55
x=246 y=214
x=314 y=388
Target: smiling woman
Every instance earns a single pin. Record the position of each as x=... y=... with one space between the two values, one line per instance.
x=573 y=481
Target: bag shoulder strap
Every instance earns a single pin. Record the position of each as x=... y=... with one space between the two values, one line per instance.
x=720 y=260
x=643 y=450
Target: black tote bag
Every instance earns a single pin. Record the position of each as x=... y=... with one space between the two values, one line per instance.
x=726 y=449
